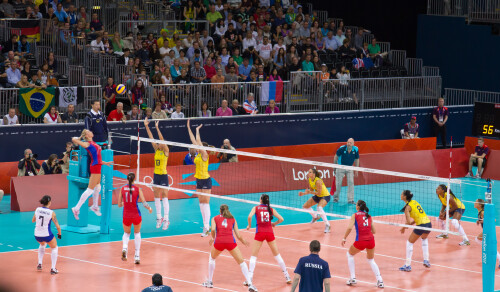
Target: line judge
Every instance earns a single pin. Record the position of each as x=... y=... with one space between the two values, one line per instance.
x=346 y=155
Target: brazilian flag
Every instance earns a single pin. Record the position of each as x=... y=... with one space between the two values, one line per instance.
x=36 y=102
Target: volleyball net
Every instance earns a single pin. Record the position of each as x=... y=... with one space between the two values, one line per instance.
x=249 y=175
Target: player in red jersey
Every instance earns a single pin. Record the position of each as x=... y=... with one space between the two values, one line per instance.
x=264 y=231
x=364 y=240
x=128 y=198
x=94 y=187
x=223 y=226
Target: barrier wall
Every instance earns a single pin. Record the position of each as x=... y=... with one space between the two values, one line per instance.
x=244 y=132
x=475 y=45
x=492 y=169
x=272 y=176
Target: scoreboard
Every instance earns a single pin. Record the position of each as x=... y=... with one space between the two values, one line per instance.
x=486 y=120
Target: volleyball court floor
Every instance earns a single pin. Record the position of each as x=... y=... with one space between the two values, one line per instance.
x=92 y=262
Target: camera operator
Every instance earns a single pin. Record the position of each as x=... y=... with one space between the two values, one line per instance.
x=51 y=165
x=28 y=166
x=225 y=157
x=66 y=157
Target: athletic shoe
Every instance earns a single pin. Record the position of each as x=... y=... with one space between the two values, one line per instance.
x=288 y=279
x=252 y=288
x=427 y=264
x=208 y=284
x=39 y=267
x=54 y=271
x=205 y=232
x=478 y=175
x=351 y=282
x=314 y=219
x=158 y=222
x=96 y=210
x=165 y=223
x=380 y=284
x=464 y=242
x=405 y=268
x=442 y=235
x=335 y=200
x=351 y=203
x=124 y=255
x=469 y=174
x=327 y=228
x=137 y=260
x=75 y=213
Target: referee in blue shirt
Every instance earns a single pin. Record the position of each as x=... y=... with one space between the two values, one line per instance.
x=312 y=272
x=346 y=155
x=95 y=121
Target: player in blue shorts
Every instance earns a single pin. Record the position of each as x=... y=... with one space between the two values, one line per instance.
x=43 y=234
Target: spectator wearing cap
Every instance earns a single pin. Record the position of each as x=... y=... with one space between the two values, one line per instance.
x=478 y=158
x=157 y=285
x=440 y=117
x=411 y=129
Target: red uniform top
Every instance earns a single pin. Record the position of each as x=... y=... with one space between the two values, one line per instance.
x=130 y=198
x=263 y=218
x=224 y=229
x=94 y=152
x=363 y=226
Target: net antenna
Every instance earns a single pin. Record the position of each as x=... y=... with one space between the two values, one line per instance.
x=331 y=166
x=447 y=226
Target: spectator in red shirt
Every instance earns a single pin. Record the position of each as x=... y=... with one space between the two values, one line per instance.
x=209 y=69
x=478 y=158
x=117 y=114
x=440 y=117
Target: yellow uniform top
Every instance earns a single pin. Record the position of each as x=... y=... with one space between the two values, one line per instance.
x=417 y=213
x=459 y=203
x=160 y=162
x=312 y=185
x=201 y=167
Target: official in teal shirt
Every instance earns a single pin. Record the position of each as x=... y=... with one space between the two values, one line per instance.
x=346 y=155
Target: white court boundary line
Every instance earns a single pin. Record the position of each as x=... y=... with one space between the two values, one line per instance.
x=268 y=264
x=138 y=272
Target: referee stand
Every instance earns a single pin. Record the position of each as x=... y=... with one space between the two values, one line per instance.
x=78 y=180
x=489 y=243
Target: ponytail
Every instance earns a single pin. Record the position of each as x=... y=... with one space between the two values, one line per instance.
x=130 y=178
x=224 y=211
x=362 y=207
x=265 y=201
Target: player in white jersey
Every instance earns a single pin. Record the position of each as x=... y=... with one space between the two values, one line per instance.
x=43 y=234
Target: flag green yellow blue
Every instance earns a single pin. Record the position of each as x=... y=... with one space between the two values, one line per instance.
x=36 y=102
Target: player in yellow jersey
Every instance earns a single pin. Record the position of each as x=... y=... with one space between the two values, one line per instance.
x=415 y=214
x=457 y=209
x=321 y=197
x=160 y=178
x=203 y=180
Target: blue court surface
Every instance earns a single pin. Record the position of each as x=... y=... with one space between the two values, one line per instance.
x=185 y=218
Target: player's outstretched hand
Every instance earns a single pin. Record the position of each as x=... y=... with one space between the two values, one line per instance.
x=248 y=227
x=150 y=210
x=301 y=194
x=199 y=127
x=146 y=122
x=188 y=123
x=108 y=163
x=157 y=123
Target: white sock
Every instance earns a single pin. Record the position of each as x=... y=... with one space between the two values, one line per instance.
x=211 y=268
x=313 y=213
x=251 y=265
x=409 y=252
x=137 y=241
x=158 y=208
x=125 y=239
x=41 y=252
x=166 y=208
x=202 y=210
x=498 y=256
x=350 y=263
x=425 y=249
x=206 y=219
x=323 y=215
x=88 y=192
x=95 y=195
x=375 y=269
x=53 y=257
x=442 y=223
x=460 y=229
x=281 y=263
x=244 y=270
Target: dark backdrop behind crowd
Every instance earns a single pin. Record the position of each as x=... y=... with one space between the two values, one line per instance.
x=393 y=21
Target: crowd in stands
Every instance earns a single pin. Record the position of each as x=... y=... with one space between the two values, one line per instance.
x=245 y=41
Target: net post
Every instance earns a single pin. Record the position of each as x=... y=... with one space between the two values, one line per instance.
x=447 y=223
x=138 y=151
x=489 y=248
